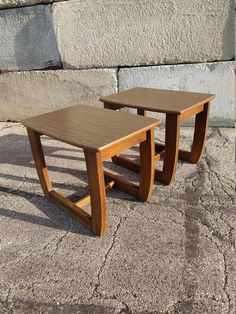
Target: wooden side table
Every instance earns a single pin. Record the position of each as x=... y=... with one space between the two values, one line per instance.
x=101 y=134
x=178 y=106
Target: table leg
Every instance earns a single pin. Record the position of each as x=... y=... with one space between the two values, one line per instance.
x=147 y=149
x=171 y=150
x=40 y=164
x=200 y=131
x=97 y=191
x=142 y=112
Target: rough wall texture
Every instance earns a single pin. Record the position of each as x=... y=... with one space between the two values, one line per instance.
x=25 y=94
x=97 y=33
x=101 y=34
x=27 y=39
x=215 y=78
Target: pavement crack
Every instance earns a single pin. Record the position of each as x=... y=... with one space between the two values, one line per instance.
x=155 y=220
x=58 y=243
x=162 y=201
x=218 y=132
x=225 y=139
x=225 y=284
x=219 y=179
x=7 y=303
x=95 y=291
x=125 y=309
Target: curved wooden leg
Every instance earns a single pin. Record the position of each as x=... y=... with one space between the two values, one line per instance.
x=40 y=164
x=97 y=191
x=200 y=132
x=147 y=150
x=171 y=150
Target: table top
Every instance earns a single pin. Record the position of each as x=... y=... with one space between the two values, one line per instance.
x=89 y=127
x=158 y=100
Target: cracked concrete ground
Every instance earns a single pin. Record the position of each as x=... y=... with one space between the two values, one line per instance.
x=175 y=254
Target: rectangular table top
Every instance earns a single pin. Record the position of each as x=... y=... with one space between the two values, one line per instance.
x=89 y=127
x=158 y=100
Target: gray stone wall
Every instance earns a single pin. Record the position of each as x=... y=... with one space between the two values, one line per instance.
x=27 y=39
x=58 y=53
x=130 y=33
x=34 y=92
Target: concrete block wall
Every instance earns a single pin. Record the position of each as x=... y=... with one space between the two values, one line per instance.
x=28 y=93
x=59 y=53
x=131 y=33
x=27 y=39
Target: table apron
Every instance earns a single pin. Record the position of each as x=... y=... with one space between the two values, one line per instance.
x=191 y=112
x=113 y=106
x=123 y=145
x=184 y=116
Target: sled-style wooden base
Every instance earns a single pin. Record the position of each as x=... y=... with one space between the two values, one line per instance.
x=101 y=134
x=178 y=106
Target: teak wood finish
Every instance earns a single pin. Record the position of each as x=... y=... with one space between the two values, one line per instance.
x=178 y=106
x=101 y=134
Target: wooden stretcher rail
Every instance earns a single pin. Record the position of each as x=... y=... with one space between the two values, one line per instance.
x=121 y=183
x=87 y=199
x=69 y=207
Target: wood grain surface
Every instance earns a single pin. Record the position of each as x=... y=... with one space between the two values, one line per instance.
x=88 y=127
x=158 y=100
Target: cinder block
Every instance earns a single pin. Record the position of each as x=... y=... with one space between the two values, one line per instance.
x=214 y=78
x=28 y=93
x=95 y=33
x=27 y=39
